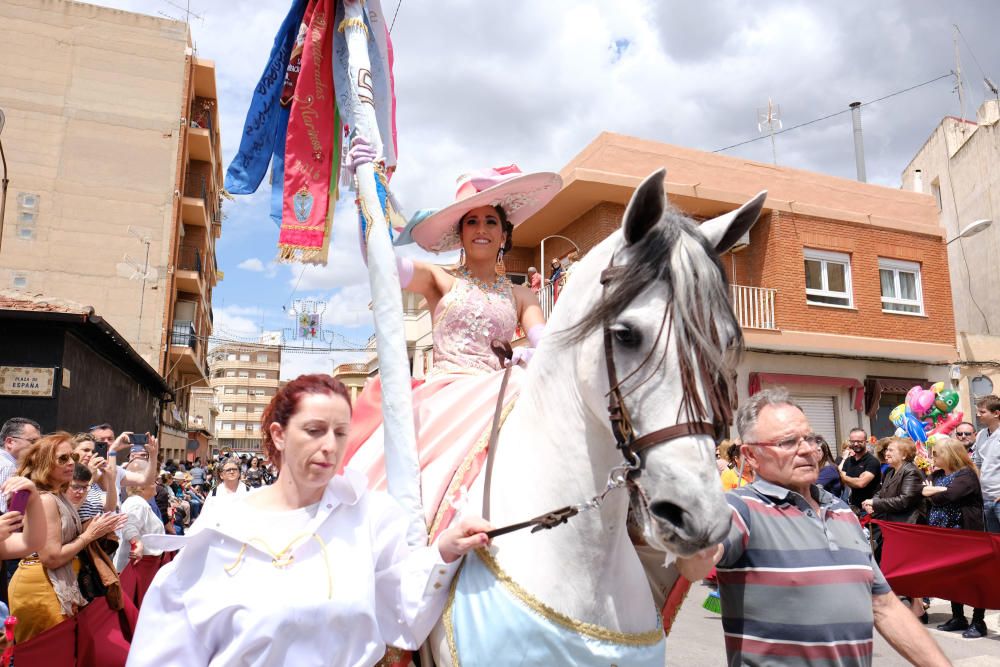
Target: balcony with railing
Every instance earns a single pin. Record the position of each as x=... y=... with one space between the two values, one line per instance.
x=754 y=306
x=190 y=273
x=201 y=130
x=185 y=351
x=196 y=207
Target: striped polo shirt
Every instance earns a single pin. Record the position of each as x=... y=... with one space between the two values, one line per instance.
x=796 y=585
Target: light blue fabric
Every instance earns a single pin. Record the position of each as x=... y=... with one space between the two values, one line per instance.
x=278 y=165
x=493 y=627
x=247 y=169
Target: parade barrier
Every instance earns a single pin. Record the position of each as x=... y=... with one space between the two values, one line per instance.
x=93 y=638
x=947 y=563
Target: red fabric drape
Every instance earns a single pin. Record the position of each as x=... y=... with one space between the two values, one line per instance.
x=92 y=638
x=137 y=576
x=956 y=565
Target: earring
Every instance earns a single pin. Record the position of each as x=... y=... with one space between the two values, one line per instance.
x=461 y=257
x=500 y=269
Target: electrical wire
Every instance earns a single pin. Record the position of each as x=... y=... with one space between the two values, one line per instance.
x=837 y=113
x=392 y=25
x=971 y=52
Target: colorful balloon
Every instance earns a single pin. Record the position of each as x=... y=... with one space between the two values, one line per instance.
x=920 y=400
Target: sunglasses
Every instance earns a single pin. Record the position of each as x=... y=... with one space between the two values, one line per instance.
x=964 y=433
x=66 y=458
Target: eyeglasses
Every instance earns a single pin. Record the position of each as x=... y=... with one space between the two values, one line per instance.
x=78 y=488
x=30 y=441
x=789 y=444
x=227 y=470
x=964 y=434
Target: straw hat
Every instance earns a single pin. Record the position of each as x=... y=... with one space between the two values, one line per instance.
x=520 y=195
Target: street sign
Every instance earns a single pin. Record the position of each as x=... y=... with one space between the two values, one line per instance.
x=24 y=381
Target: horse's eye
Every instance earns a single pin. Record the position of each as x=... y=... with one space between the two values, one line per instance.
x=626 y=336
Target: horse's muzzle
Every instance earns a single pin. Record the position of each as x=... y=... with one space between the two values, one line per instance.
x=691 y=527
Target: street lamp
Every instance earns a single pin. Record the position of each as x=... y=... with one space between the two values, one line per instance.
x=972 y=229
x=3 y=181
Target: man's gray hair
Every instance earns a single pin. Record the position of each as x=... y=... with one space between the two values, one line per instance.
x=749 y=412
x=14 y=427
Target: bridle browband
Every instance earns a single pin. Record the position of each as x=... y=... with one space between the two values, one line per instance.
x=621 y=423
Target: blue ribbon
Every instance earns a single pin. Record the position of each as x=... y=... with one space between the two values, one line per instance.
x=247 y=169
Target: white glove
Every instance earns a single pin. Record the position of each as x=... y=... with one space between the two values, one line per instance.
x=361 y=152
x=522 y=355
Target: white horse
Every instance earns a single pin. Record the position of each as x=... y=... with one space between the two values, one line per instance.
x=579 y=592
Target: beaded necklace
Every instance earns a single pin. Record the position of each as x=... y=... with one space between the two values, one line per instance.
x=498 y=286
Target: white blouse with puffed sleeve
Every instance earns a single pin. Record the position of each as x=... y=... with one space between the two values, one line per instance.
x=252 y=589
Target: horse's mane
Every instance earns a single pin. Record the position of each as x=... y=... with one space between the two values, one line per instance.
x=701 y=319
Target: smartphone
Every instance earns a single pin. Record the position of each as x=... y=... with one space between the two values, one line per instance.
x=18 y=501
x=101 y=449
x=138 y=439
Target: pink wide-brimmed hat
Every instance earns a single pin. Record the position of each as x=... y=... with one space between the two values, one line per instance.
x=520 y=195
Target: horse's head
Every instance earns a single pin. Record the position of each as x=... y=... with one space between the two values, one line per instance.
x=674 y=341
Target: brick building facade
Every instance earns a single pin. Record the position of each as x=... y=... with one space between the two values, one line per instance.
x=842 y=288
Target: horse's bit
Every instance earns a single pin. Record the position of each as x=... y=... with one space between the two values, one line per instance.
x=626 y=440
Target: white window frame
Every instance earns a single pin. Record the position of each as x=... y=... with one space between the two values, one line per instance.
x=261 y=375
x=262 y=359
x=897 y=266
x=826 y=257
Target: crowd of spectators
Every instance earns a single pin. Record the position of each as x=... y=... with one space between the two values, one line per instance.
x=73 y=510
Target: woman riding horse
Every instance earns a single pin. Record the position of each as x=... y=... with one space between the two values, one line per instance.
x=471 y=305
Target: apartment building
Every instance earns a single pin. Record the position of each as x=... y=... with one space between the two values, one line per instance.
x=202 y=412
x=959 y=166
x=245 y=379
x=113 y=154
x=842 y=288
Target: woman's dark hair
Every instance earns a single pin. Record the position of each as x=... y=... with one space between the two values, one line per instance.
x=81 y=473
x=733 y=453
x=505 y=226
x=826 y=455
x=286 y=402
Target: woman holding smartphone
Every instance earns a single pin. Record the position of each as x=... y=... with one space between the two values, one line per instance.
x=342 y=582
x=44 y=590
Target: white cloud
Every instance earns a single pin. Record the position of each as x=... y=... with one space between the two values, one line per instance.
x=251 y=264
x=232 y=321
x=294 y=364
x=348 y=307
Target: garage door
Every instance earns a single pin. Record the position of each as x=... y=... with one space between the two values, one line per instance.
x=822 y=415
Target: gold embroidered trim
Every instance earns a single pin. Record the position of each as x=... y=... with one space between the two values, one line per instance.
x=355 y=22
x=449 y=626
x=650 y=638
x=456 y=480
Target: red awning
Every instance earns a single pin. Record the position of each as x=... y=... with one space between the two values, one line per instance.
x=856 y=388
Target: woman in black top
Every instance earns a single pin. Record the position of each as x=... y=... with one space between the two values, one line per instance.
x=956 y=502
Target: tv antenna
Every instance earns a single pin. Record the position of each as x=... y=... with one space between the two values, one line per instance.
x=186 y=8
x=133 y=270
x=768 y=120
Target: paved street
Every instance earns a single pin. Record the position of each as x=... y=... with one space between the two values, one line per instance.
x=696 y=639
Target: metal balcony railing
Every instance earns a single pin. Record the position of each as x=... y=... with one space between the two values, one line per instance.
x=183 y=333
x=189 y=258
x=754 y=306
x=196 y=185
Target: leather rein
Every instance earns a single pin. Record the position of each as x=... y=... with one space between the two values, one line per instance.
x=627 y=441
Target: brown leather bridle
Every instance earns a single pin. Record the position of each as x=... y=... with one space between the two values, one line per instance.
x=626 y=439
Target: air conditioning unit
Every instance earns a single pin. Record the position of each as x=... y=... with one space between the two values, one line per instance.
x=742 y=243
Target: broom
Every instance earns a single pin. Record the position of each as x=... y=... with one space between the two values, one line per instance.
x=713 y=603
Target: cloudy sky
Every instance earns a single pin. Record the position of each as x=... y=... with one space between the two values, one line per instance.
x=490 y=83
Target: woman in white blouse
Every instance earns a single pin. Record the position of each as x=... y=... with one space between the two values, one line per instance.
x=141 y=521
x=312 y=570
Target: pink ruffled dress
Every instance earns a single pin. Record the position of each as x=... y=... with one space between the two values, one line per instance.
x=453 y=409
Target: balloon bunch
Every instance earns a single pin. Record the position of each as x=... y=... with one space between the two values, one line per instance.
x=927 y=413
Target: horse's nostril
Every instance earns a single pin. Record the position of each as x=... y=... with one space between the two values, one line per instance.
x=669 y=512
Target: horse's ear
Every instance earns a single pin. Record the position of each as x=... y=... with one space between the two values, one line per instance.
x=723 y=232
x=646 y=207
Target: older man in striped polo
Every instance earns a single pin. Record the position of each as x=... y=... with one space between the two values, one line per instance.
x=797 y=579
